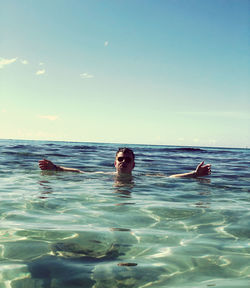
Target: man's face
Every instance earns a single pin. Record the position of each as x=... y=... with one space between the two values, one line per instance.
x=124 y=162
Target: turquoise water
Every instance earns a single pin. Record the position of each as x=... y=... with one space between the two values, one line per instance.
x=62 y=229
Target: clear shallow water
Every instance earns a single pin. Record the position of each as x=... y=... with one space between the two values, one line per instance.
x=77 y=230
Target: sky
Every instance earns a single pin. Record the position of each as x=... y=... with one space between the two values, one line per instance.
x=165 y=72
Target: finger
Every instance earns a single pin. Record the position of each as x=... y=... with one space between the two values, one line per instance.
x=42 y=165
x=207 y=166
x=200 y=164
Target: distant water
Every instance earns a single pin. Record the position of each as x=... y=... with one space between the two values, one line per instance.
x=68 y=230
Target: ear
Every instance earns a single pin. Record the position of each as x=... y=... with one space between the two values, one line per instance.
x=115 y=163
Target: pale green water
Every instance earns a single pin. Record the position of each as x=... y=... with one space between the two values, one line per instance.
x=74 y=230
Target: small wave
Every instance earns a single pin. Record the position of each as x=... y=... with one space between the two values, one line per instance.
x=106 y=163
x=18 y=146
x=180 y=149
x=18 y=153
x=57 y=154
x=194 y=150
x=190 y=149
x=22 y=147
x=84 y=147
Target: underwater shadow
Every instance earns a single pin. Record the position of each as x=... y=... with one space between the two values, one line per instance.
x=69 y=265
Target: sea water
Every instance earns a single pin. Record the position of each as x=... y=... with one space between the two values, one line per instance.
x=66 y=230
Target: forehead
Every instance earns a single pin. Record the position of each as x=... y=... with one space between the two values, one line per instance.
x=125 y=154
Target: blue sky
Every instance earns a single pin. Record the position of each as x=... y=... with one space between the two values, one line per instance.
x=172 y=72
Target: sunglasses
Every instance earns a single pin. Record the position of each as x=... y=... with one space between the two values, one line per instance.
x=127 y=159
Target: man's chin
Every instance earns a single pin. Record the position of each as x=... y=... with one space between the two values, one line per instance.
x=123 y=171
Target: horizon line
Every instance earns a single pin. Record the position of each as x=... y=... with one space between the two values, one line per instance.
x=122 y=143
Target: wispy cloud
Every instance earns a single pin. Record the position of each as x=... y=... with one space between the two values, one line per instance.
x=40 y=72
x=49 y=117
x=106 y=43
x=86 y=76
x=25 y=62
x=4 y=61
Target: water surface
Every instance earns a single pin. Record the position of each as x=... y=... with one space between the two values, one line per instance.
x=62 y=229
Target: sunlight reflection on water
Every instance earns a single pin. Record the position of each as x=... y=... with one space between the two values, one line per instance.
x=90 y=230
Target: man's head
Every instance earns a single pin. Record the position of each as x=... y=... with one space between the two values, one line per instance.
x=124 y=161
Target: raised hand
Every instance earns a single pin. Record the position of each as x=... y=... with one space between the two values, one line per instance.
x=47 y=165
x=203 y=170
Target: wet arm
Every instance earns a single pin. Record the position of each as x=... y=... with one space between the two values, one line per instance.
x=201 y=170
x=48 y=165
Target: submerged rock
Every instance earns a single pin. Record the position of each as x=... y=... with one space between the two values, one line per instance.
x=74 y=250
x=70 y=265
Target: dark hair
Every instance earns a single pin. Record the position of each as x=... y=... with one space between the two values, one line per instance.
x=125 y=150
